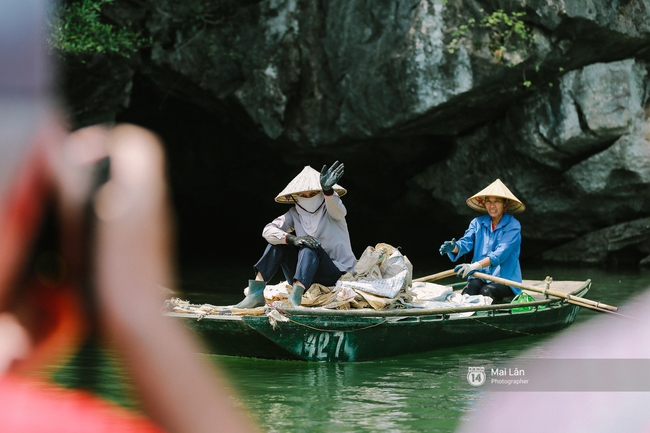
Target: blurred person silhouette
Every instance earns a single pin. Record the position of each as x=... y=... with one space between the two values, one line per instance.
x=600 y=381
x=100 y=196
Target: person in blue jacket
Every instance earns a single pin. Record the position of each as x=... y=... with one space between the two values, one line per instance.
x=494 y=238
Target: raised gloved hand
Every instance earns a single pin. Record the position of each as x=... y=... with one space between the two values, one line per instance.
x=330 y=176
x=303 y=241
x=447 y=247
x=465 y=270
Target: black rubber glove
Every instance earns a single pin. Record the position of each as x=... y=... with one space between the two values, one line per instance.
x=330 y=176
x=303 y=241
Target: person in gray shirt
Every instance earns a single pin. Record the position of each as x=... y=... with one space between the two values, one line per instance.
x=310 y=242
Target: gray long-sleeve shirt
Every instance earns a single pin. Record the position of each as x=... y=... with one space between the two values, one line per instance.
x=332 y=231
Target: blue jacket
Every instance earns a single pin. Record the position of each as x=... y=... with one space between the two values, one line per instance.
x=502 y=246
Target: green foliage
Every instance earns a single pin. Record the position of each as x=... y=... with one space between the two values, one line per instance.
x=77 y=29
x=541 y=77
x=508 y=33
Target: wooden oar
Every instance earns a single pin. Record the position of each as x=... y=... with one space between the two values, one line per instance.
x=583 y=302
x=434 y=277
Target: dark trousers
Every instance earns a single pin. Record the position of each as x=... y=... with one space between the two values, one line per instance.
x=495 y=291
x=298 y=264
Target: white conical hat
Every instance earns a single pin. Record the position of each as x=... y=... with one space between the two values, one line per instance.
x=496 y=189
x=307 y=180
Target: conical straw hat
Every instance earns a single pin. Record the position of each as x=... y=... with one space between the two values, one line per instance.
x=307 y=180
x=495 y=189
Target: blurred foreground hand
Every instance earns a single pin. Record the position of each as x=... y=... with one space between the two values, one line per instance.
x=117 y=245
x=110 y=234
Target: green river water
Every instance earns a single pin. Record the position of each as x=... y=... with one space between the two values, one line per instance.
x=413 y=393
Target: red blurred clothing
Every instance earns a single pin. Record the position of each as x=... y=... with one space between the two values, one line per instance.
x=32 y=406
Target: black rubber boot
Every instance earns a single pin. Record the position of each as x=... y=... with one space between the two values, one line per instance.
x=295 y=297
x=255 y=297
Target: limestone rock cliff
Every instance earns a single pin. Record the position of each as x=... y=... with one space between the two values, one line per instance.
x=426 y=101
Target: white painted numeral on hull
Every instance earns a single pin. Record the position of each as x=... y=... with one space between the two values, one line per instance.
x=317 y=345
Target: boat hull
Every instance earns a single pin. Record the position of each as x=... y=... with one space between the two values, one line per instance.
x=345 y=339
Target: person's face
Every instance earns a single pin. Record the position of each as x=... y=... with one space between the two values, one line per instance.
x=308 y=194
x=495 y=206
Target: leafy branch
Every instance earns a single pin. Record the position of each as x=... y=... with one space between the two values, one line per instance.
x=77 y=29
x=508 y=33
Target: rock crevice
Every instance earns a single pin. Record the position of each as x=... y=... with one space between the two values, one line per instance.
x=421 y=91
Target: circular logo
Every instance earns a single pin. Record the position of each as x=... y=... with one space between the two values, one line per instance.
x=476 y=376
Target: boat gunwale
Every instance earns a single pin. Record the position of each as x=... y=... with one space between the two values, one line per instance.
x=551 y=301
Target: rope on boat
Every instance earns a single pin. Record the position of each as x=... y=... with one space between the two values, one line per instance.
x=337 y=330
x=287 y=316
x=500 y=328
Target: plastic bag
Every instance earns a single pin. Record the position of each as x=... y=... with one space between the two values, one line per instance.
x=522 y=297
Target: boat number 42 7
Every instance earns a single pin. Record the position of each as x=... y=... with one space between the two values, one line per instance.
x=323 y=345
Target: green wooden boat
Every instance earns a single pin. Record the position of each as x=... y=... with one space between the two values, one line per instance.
x=322 y=335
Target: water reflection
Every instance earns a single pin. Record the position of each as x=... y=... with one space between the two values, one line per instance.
x=403 y=394
x=411 y=393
